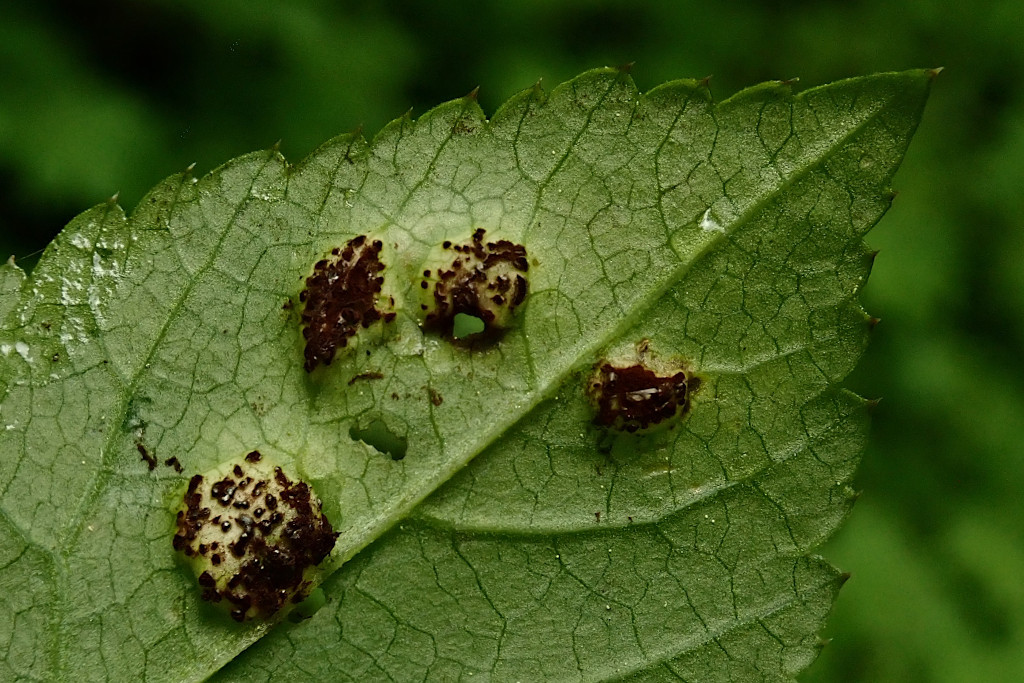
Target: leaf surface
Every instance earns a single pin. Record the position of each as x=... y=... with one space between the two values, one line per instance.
x=729 y=235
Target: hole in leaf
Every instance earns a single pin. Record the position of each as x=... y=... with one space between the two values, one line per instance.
x=308 y=607
x=465 y=325
x=379 y=436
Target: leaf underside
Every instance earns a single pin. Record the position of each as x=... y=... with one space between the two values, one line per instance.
x=729 y=235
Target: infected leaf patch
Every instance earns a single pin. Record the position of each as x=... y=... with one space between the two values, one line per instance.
x=635 y=396
x=482 y=280
x=253 y=536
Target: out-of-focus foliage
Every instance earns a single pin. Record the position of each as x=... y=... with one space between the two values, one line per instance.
x=111 y=96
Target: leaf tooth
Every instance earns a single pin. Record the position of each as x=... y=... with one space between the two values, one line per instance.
x=393 y=130
x=511 y=110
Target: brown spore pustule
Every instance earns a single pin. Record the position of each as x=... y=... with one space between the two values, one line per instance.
x=341 y=296
x=636 y=397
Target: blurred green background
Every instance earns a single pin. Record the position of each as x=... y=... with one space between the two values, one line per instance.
x=111 y=96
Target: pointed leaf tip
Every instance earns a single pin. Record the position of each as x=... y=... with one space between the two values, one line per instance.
x=625 y=68
x=933 y=73
x=472 y=94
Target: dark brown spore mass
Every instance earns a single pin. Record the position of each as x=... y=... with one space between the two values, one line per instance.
x=636 y=397
x=473 y=284
x=147 y=457
x=272 y=571
x=340 y=297
x=192 y=518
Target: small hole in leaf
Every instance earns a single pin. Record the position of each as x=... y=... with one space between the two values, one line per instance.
x=464 y=325
x=308 y=607
x=379 y=436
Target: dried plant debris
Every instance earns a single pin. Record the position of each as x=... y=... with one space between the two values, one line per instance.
x=151 y=461
x=639 y=395
x=371 y=375
x=253 y=535
x=147 y=457
x=484 y=280
x=341 y=296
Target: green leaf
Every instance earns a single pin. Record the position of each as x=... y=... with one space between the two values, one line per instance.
x=727 y=235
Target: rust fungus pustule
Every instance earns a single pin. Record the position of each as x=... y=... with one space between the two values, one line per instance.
x=635 y=396
x=341 y=296
x=483 y=280
x=253 y=535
